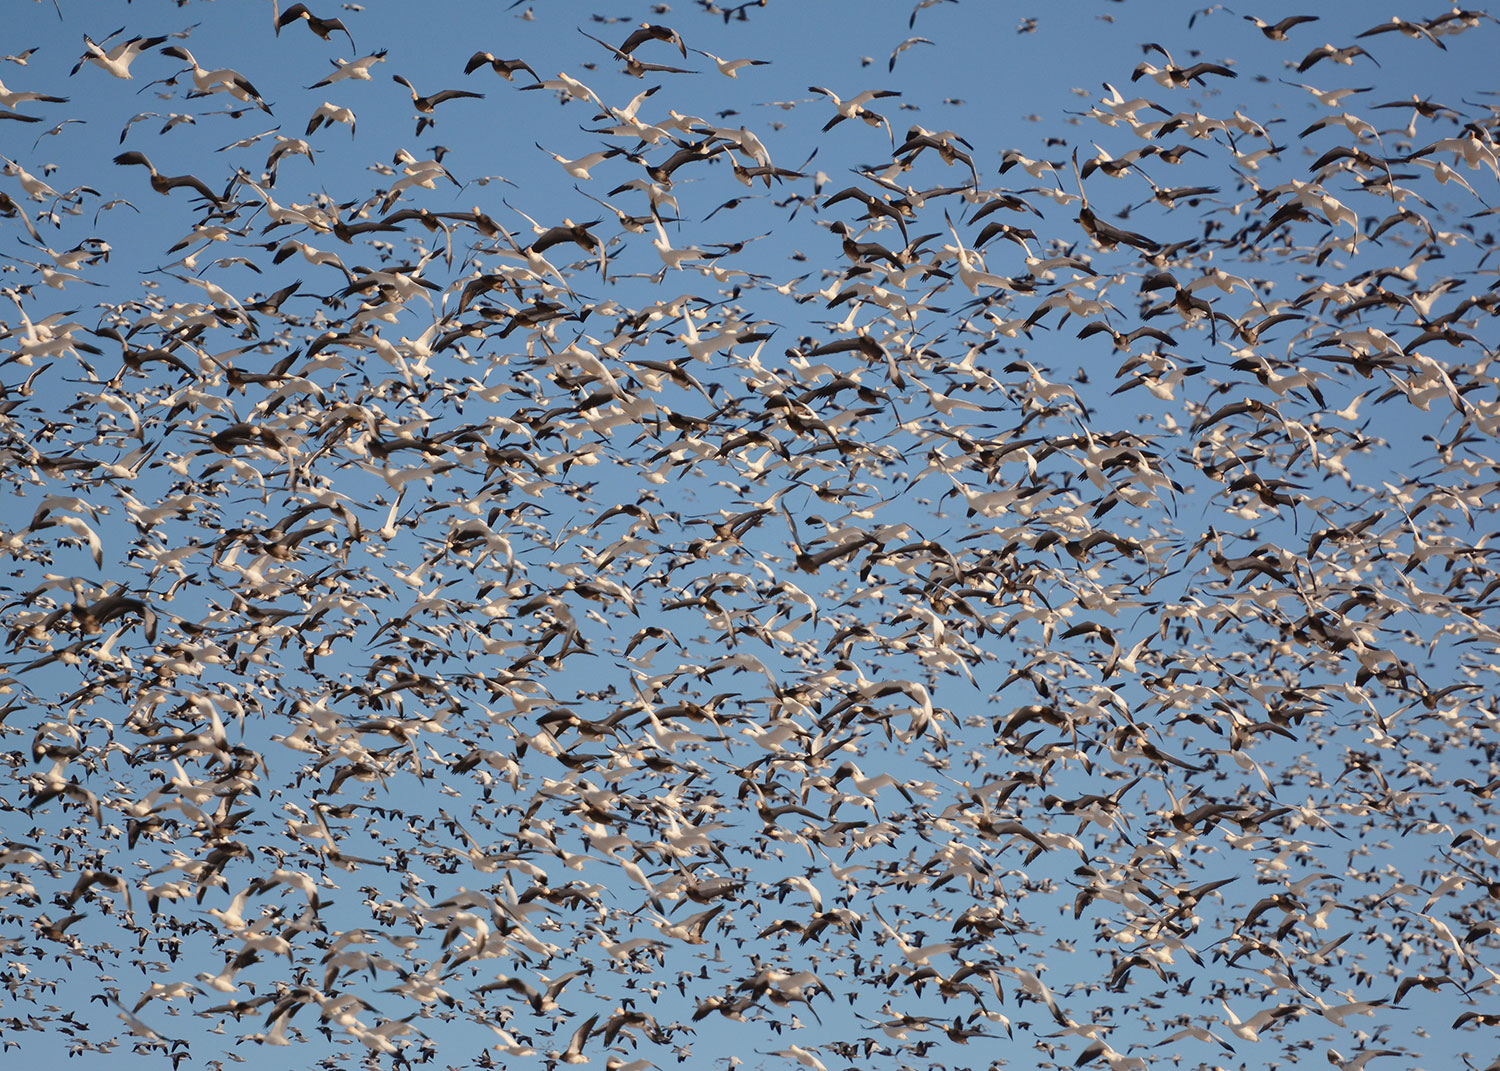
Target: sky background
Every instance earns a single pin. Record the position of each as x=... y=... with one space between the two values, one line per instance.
x=1374 y=803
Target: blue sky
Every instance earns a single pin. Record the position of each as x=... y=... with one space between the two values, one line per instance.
x=504 y=615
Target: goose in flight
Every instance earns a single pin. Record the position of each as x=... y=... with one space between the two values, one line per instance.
x=1174 y=77
x=635 y=67
x=730 y=68
x=357 y=69
x=505 y=68
x=426 y=105
x=9 y=98
x=1277 y=31
x=328 y=113
x=221 y=80
x=324 y=28
x=1338 y=55
x=649 y=32
x=1407 y=28
x=854 y=107
x=165 y=184
x=902 y=47
x=117 y=60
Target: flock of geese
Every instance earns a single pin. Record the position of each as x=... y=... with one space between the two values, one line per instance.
x=792 y=582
